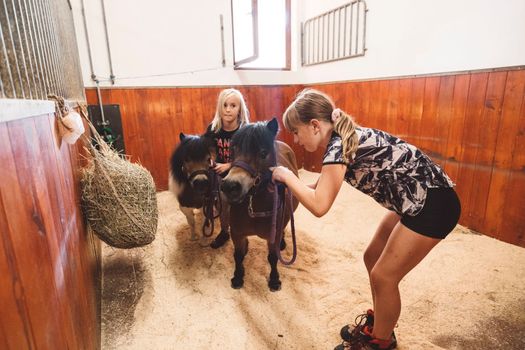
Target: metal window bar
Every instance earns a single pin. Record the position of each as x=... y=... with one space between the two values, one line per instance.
x=38 y=50
x=335 y=35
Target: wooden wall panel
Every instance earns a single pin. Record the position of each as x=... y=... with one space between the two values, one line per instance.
x=16 y=331
x=456 y=129
x=487 y=138
x=416 y=109
x=53 y=267
x=288 y=94
x=153 y=118
x=470 y=143
x=426 y=139
x=512 y=227
x=405 y=106
x=32 y=248
x=472 y=124
x=498 y=203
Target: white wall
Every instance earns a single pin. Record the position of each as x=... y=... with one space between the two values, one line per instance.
x=178 y=43
x=406 y=37
x=163 y=43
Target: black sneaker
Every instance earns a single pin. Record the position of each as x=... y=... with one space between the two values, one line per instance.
x=220 y=240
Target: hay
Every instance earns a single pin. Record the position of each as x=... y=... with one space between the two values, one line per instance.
x=119 y=200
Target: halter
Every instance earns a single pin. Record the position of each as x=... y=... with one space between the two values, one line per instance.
x=212 y=198
x=198 y=172
x=279 y=198
x=250 y=170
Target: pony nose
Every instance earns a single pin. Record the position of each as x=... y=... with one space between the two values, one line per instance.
x=201 y=185
x=231 y=188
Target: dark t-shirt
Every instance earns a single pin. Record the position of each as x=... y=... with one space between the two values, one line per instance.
x=222 y=140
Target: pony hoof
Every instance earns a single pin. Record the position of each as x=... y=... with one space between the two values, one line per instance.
x=275 y=286
x=220 y=240
x=282 y=246
x=237 y=283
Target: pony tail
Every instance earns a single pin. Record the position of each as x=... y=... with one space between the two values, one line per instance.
x=345 y=126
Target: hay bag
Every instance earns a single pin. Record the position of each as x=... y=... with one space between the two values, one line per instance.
x=118 y=198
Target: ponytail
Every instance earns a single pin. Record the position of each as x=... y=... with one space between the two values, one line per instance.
x=345 y=126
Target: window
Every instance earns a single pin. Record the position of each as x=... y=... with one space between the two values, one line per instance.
x=261 y=34
x=335 y=35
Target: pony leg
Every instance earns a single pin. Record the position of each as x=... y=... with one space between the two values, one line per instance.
x=224 y=235
x=274 y=282
x=241 y=248
x=188 y=212
x=225 y=215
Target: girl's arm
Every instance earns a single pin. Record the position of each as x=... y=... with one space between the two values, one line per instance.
x=314 y=185
x=319 y=200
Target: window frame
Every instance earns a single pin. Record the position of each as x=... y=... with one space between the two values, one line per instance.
x=255 y=21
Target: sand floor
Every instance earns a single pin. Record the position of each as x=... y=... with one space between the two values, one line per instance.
x=469 y=293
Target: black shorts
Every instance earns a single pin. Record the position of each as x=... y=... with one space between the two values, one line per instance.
x=439 y=215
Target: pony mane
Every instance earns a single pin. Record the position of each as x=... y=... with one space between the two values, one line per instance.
x=192 y=147
x=250 y=139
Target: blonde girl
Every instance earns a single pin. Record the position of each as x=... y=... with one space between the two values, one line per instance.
x=230 y=114
x=423 y=206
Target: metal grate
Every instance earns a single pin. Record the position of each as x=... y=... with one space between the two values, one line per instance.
x=38 y=50
x=335 y=35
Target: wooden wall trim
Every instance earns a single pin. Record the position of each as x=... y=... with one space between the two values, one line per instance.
x=13 y=109
x=425 y=75
x=394 y=77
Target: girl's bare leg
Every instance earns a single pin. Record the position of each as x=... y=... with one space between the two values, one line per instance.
x=378 y=242
x=404 y=249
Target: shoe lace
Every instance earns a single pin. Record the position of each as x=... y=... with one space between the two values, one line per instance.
x=361 y=319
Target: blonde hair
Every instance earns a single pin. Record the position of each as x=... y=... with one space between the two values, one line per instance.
x=313 y=104
x=244 y=114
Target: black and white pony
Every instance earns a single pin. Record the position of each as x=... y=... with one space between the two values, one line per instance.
x=195 y=183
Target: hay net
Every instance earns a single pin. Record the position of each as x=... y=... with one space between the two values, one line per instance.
x=118 y=197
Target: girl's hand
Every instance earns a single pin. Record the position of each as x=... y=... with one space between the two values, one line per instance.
x=280 y=173
x=221 y=168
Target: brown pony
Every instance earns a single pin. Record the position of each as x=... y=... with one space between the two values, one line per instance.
x=249 y=190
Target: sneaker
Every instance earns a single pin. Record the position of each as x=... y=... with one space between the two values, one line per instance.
x=220 y=240
x=363 y=346
x=368 y=342
x=350 y=332
x=343 y=346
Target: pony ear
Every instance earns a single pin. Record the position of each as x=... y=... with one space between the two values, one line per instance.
x=182 y=136
x=273 y=126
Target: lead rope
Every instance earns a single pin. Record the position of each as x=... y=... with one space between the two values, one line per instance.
x=212 y=201
x=277 y=225
x=274 y=212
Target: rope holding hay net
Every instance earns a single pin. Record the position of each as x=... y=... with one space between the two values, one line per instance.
x=70 y=126
x=118 y=197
